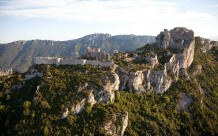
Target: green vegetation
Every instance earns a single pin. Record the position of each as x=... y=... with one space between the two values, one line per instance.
x=149 y=114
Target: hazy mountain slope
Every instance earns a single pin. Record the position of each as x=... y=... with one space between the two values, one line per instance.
x=18 y=55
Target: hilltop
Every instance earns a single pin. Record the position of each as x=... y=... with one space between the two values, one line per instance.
x=164 y=88
x=19 y=55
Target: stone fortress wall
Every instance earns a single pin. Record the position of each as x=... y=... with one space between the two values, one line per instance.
x=95 y=59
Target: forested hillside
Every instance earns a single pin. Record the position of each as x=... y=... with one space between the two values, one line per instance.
x=35 y=105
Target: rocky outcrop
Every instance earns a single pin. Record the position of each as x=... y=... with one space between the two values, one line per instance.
x=116 y=126
x=177 y=38
x=184 y=102
x=107 y=93
x=33 y=73
x=152 y=60
x=207 y=44
x=135 y=82
x=147 y=80
x=182 y=40
x=78 y=107
x=158 y=81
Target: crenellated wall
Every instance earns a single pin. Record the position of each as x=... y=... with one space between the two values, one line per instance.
x=70 y=61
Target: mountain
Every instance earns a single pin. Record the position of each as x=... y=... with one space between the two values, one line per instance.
x=19 y=55
x=165 y=88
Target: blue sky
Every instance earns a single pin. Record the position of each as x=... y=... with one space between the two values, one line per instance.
x=70 y=19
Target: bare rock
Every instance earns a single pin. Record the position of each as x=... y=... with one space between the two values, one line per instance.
x=184 y=102
x=33 y=73
x=159 y=80
x=135 y=82
x=178 y=38
x=207 y=44
x=145 y=81
x=152 y=60
x=107 y=93
x=78 y=107
x=116 y=126
x=183 y=40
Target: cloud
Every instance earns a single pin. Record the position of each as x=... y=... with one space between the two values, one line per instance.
x=98 y=11
x=115 y=16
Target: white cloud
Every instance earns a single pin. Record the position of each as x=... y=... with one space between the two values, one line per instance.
x=139 y=15
x=96 y=11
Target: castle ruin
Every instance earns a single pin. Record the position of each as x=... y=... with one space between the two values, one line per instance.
x=96 y=54
x=94 y=57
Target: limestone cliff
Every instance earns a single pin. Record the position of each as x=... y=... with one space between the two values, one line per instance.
x=147 y=80
x=207 y=44
x=105 y=94
x=116 y=125
x=179 y=47
x=182 y=40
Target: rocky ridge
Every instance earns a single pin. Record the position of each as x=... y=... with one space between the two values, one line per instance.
x=151 y=79
x=159 y=80
x=207 y=44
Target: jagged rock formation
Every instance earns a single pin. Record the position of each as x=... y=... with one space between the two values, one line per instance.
x=207 y=44
x=184 y=102
x=144 y=81
x=116 y=126
x=182 y=40
x=178 y=39
x=105 y=94
x=152 y=60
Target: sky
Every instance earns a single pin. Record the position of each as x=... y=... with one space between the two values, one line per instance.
x=71 y=19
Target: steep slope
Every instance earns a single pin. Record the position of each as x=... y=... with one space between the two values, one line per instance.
x=19 y=55
x=85 y=100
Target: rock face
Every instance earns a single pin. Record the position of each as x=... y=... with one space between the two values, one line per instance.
x=158 y=81
x=116 y=126
x=105 y=94
x=184 y=102
x=152 y=60
x=147 y=80
x=33 y=73
x=178 y=38
x=207 y=44
x=181 y=39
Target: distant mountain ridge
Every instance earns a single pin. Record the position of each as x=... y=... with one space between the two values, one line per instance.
x=19 y=54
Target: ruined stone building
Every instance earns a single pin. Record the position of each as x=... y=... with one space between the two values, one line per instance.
x=94 y=57
x=96 y=54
